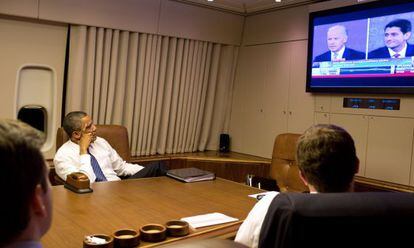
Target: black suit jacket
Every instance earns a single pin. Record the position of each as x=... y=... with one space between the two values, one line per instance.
x=383 y=52
x=349 y=54
x=324 y=220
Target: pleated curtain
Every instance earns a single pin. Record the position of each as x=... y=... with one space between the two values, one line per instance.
x=172 y=94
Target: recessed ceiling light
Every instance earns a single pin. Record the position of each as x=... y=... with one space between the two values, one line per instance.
x=210 y=0
x=278 y=1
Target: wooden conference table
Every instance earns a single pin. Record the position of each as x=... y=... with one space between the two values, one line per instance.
x=134 y=203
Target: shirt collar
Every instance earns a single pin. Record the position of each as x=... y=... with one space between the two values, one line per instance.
x=401 y=53
x=340 y=53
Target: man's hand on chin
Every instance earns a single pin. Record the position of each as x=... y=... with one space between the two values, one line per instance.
x=84 y=142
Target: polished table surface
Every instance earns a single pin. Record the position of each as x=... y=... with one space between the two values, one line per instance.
x=134 y=203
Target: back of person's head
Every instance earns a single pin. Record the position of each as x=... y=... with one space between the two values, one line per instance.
x=327 y=159
x=22 y=171
x=403 y=24
x=72 y=122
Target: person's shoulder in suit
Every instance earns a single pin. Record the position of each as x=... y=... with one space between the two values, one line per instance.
x=323 y=57
x=352 y=54
x=410 y=50
x=379 y=53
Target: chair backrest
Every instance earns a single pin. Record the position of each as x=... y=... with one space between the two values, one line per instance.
x=284 y=168
x=207 y=243
x=338 y=220
x=116 y=135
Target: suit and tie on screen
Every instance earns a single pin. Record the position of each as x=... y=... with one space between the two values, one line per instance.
x=336 y=38
x=396 y=35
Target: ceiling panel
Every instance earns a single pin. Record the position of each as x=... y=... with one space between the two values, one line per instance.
x=249 y=6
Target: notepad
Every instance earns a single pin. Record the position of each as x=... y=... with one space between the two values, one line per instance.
x=189 y=175
x=208 y=220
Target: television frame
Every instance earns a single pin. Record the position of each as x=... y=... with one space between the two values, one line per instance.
x=345 y=10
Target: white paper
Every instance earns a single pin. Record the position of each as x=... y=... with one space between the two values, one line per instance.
x=262 y=193
x=208 y=219
x=95 y=240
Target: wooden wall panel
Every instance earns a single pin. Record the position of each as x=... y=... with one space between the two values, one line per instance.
x=132 y=15
x=277 y=26
x=181 y=20
x=26 y=8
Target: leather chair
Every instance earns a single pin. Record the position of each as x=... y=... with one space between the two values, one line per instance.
x=116 y=135
x=284 y=171
x=284 y=168
x=339 y=220
x=207 y=243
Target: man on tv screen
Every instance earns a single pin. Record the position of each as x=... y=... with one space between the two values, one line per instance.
x=336 y=38
x=396 y=34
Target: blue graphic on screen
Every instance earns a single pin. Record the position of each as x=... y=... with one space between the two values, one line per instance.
x=370 y=46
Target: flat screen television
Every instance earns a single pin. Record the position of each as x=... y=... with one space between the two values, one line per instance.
x=364 y=48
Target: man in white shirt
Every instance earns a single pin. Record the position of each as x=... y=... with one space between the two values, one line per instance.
x=86 y=153
x=26 y=210
x=327 y=162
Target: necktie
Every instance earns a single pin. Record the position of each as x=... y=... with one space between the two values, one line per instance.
x=335 y=56
x=97 y=169
x=397 y=55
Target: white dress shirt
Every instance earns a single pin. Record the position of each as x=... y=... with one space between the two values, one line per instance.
x=68 y=160
x=249 y=231
x=338 y=55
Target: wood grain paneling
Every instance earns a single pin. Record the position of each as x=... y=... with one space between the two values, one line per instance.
x=134 y=203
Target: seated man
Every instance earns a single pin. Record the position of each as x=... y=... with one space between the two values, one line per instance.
x=327 y=162
x=26 y=211
x=93 y=156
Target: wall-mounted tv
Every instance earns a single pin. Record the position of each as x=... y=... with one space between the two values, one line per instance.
x=364 y=48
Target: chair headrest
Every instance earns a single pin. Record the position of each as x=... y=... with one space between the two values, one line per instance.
x=116 y=135
x=285 y=146
x=338 y=219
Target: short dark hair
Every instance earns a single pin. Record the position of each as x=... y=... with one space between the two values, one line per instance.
x=22 y=169
x=72 y=122
x=403 y=24
x=327 y=158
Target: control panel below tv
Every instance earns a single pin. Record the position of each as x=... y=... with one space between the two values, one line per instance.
x=372 y=103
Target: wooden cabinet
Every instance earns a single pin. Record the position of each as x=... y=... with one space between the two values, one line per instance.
x=231 y=166
x=234 y=171
x=357 y=126
x=247 y=111
x=389 y=149
x=300 y=104
x=384 y=144
x=269 y=96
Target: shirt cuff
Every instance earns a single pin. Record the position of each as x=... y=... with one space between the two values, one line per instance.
x=85 y=159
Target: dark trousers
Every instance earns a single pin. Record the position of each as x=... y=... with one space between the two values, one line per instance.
x=154 y=169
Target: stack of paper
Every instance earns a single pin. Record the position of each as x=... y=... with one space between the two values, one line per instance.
x=189 y=175
x=208 y=220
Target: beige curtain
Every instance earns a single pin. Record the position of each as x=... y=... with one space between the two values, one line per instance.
x=172 y=94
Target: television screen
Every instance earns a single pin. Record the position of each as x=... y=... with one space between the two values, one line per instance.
x=365 y=48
